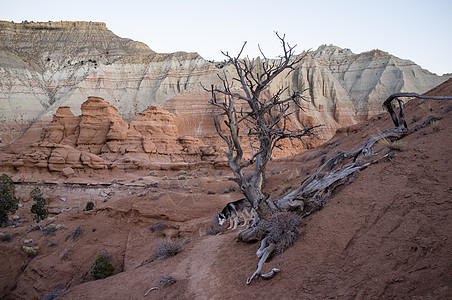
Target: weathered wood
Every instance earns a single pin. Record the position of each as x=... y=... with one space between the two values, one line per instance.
x=264 y=118
x=399 y=121
x=266 y=253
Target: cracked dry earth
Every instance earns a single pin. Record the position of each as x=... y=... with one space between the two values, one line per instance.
x=387 y=235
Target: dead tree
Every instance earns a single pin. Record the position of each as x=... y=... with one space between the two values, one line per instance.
x=399 y=120
x=265 y=120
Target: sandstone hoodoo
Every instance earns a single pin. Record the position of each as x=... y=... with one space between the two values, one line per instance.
x=100 y=139
x=53 y=64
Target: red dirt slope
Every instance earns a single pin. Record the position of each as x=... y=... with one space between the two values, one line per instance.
x=386 y=235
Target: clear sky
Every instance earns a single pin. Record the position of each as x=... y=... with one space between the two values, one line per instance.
x=419 y=30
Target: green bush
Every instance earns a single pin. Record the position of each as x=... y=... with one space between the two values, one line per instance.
x=89 y=206
x=102 y=268
x=40 y=207
x=8 y=200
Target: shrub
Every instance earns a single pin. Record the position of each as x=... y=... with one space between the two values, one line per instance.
x=283 y=229
x=293 y=175
x=394 y=146
x=215 y=227
x=6 y=237
x=157 y=228
x=30 y=251
x=102 y=268
x=75 y=234
x=40 y=207
x=214 y=230
x=8 y=200
x=167 y=249
x=167 y=280
x=89 y=206
x=57 y=292
x=435 y=126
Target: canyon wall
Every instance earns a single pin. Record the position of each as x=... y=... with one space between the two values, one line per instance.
x=45 y=66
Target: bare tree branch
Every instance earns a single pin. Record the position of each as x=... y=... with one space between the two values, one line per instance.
x=399 y=121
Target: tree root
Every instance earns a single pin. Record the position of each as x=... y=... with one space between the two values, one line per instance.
x=270 y=274
x=263 y=252
x=151 y=289
x=36 y=227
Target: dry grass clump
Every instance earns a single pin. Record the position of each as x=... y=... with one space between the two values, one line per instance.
x=157 y=228
x=167 y=249
x=293 y=175
x=167 y=280
x=57 y=292
x=6 y=237
x=393 y=146
x=435 y=126
x=215 y=227
x=283 y=229
x=76 y=233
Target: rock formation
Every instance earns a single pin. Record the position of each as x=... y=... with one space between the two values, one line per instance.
x=45 y=66
x=100 y=139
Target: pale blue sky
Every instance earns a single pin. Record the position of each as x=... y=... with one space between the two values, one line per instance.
x=411 y=29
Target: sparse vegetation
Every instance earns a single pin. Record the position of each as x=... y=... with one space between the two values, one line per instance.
x=394 y=145
x=214 y=227
x=435 y=126
x=30 y=251
x=167 y=280
x=167 y=249
x=75 y=234
x=322 y=160
x=157 y=228
x=214 y=230
x=50 y=229
x=8 y=200
x=283 y=229
x=231 y=188
x=102 y=267
x=57 y=292
x=162 y=282
x=293 y=175
x=89 y=206
x=6 y=237
x=39 y=209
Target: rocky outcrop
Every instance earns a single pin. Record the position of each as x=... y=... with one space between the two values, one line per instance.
x=45 y=66
x=100 y=139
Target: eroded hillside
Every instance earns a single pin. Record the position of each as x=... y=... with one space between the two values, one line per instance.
x=47 y=65
x=386 y=235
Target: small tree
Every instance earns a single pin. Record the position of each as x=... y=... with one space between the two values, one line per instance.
x=102 y=268
x=8 y=200
x=40 y=207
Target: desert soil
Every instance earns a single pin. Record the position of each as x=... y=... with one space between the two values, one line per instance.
x=388 y=234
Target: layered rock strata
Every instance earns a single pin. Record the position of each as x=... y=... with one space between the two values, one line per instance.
x=44 y=66
x=100 y=139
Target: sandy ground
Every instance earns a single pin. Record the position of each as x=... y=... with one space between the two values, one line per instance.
x=386 y=235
